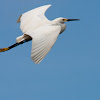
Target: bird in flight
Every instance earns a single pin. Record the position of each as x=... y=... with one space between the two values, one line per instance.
x=40 y=30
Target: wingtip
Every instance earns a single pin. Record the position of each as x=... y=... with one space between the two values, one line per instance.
x=18 y=21
x=49 y=5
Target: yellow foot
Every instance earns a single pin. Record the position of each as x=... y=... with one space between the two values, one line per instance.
x=4 y=49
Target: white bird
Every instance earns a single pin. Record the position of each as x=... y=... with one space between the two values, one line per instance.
x=40 y=30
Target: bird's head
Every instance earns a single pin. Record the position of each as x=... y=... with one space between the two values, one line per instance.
x=63 y=20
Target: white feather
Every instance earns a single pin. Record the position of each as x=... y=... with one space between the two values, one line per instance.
x=43 y=38
x=43 y=32
x=33 y=18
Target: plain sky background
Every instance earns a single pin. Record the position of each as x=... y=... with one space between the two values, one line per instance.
x=71 y=70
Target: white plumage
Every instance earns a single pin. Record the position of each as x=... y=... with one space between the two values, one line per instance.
x=33 y=19
x=43 y=40
x=42 y=31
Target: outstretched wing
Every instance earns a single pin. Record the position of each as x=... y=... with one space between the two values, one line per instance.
x=42 y=41
x=33 y=18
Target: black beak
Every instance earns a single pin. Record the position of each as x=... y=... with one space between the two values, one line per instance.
x=73 y=19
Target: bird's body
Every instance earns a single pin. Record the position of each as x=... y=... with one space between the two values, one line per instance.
x=54 y=23
x=40 y=30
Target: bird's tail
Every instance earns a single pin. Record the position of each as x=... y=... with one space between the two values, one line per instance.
x=4 y=49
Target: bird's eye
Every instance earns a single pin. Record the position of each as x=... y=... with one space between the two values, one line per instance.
x=64 y=19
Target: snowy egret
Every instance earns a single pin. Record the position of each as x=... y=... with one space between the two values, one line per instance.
x=40 y=30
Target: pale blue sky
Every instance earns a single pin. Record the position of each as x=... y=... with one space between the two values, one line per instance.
x=71 y=71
